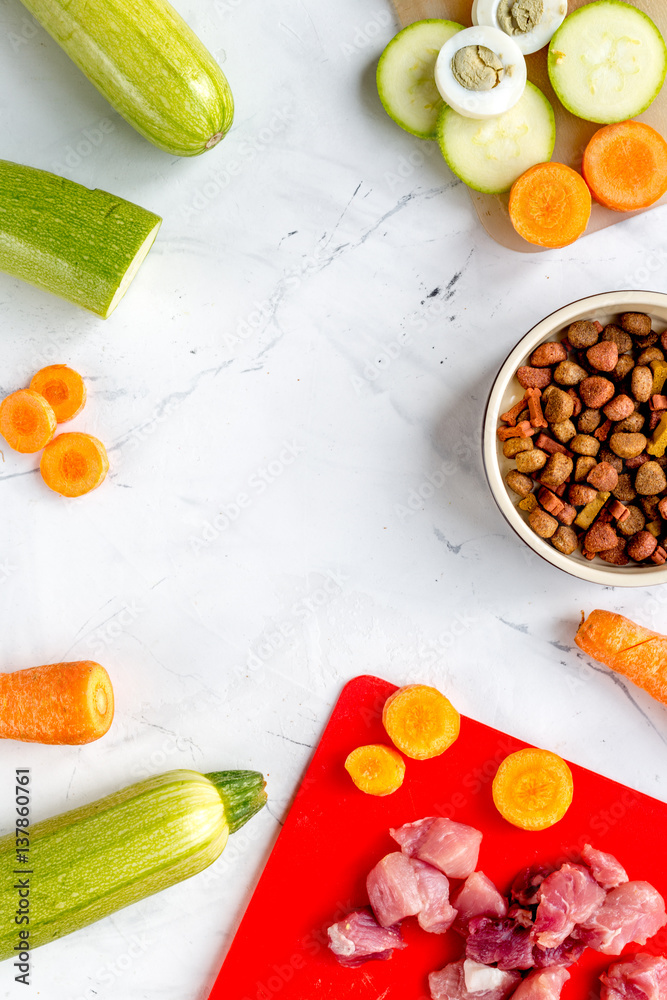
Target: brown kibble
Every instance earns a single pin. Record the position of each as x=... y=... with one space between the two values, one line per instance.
x=600 y=537
x=627 y=445
x=551 y=503
x=549 y=445
x=659 y=557
x=624 y=366
x=649 y=355
x=558 y=406
x=649 y=505
x=569 y=373
x=631 y=424
x=634 y=463
x=633 y=523
x=658 y=402
x=515 y=445
x=662 y=508
x=557 y=470
x=663 y=340
x=642 y=546
x=584 y=444
x=548 y=354
x=619 y=408
x=641 y=383
x=533 y=378
x=603 y=477
x=595 y=391
x=567 y=515
x=584 y=333
x=643 y=342
x=563 y=431
x=636 y=324
x=603 y=356
x=519 y=483
x=583 y=467
x=625 y=491
x=619 y=337
x=602 y=433
x=589 y=421
x=650 y=479
x=579 y=494
x=577 y=402
x=543 y=524
x=531 y=461
x=606 y=455
x=616 y=556
x=565 y=540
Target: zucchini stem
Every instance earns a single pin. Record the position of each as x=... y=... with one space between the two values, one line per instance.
x=243 y=794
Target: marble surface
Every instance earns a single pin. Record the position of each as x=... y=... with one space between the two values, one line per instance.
x=292 y=394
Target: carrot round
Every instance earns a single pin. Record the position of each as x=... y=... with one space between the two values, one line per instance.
x=63 y=389
x=533 y=789
x=376 y=769
x=65 y=703
x=74 y=464
x=629 y=649
x=550 y=205
x=625 y=166
x=420 y=721
x=27 y=422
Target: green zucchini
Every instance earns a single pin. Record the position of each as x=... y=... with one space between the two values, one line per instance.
x=150 y=66
x=83 y=245
x=87 y=863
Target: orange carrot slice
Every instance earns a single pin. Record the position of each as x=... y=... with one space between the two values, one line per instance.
x=376 y=769
x=74 y=464
x=550 y=205
x=27 y=422
x=625 y=166
x=64 y=703
x=420 y=721
x=63 y=388
x=630 y=649
x=533 y=789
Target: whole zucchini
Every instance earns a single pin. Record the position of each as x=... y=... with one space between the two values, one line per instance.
x=87 y=863
x=147 y=62
x=83 y=245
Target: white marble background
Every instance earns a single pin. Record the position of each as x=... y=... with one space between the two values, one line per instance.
x=316 y=329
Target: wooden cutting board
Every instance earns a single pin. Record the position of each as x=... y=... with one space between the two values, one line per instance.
x=334 y=835
x=572 y=134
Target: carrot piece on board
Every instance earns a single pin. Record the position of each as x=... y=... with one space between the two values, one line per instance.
x=65 y=703
x=74 y=464
x=550 y=205
x=376 y=769
x=420 y=721
x=63 y=389
x=629 y=649
x=625 y=166
x=533 y=789
x=27 y=422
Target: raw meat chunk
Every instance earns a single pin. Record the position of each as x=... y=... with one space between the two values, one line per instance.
x=526 y=884
x=358 y=938
x=436 y=914
x=542 y=984
x=478 y=897
x=567 y=897
x=450 y=983
x=501 y=940
x=567 y=953
x=451 y=847
x=642 y=977
x=634 y=911
x=522 y=914
x=393 y=890
x=606 y=870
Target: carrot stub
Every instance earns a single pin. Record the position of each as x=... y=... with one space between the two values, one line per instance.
x=629 y=649
x=533 y=789
x=550 y=205
x=376 y=769
x=64 y=703
x=74 y=464
x=63 y=389
x=420 y=721
x=27 y=421
x=625 y=166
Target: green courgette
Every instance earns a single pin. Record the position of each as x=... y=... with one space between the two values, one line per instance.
x=87 y=863
x=147 y=62
x=83 y=245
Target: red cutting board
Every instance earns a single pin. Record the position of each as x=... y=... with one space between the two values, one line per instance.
x=334 y=834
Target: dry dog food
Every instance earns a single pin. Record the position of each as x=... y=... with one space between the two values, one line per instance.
x=588 y=439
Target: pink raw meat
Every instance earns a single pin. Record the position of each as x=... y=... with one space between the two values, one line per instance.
x=642 y=977
x=499 y=940
x=451 y=847
x=634 y=911
x=526 y=884
x=542 y=984
x=358 y=938
x=436 y=914
x=567 y=953
x=567 y=897
x=393 y=890
x=522 y=914
x=477 y=897
x=606 y=870
x=449 y=984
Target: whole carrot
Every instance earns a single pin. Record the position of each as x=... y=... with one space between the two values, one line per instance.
x=629 y=649
x=64 y=703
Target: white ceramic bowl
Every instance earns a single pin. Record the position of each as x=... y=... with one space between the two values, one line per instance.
x=506 y=391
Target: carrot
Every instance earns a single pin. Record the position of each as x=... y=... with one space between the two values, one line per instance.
x=629 y=649
x=625 y=166
x=74 y=464
x=27 y=422
x=63 y=388
x=65 y=703
x=533 y=789
x=420 y=721
x=376 y=769
x=550 y=205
